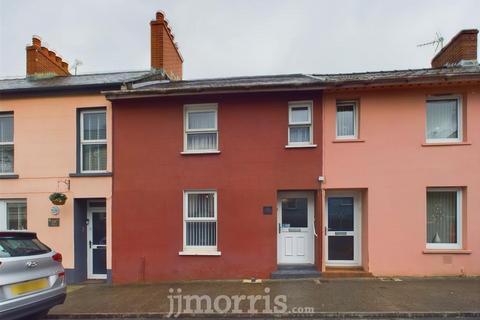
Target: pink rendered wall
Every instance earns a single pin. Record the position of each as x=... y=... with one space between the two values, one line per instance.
x=45 y=153
x=396 y=169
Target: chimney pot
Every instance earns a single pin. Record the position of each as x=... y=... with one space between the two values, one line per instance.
x=36 y=41
x=159 y=16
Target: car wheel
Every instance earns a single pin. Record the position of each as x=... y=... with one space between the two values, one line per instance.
x=37 y=316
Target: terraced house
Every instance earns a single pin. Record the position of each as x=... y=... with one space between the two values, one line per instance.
x=267 y=176
x=55 y=136
x=297 y=175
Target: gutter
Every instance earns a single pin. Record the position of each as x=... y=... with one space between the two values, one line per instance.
x=65 y=89
x=134 y=94
x=321 y=84
x=403 y=81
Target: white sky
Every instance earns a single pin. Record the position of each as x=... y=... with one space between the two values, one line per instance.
x=233 y=37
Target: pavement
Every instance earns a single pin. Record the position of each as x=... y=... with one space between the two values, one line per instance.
x=314 y=298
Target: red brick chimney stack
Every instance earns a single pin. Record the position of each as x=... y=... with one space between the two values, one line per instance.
x=461 y=50
x=164 y=50
x=42 y=61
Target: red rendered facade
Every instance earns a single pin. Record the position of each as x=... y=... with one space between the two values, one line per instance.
x=150 y=175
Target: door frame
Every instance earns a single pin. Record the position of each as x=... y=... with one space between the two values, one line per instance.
x=310 y=195
x=90 y=211
x=357 y=240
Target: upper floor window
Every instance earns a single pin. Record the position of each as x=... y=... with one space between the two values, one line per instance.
x=444 y=218
x=201 y=133
x=6 y=143
x=300 y=123
x=93 y=140
x=347 y=120
x=13 y=215
x=200 y=221
x=444 y=119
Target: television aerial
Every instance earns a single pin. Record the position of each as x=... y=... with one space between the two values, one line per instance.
x=438 y=42
x=75 y=65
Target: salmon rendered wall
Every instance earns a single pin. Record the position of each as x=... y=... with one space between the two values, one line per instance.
x=150 y=175
x=392 y=161
x=45 y=140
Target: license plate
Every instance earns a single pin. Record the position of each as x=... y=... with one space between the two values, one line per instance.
x=29 y=286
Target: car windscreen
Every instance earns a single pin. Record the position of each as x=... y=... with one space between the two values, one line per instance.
x=21 y=245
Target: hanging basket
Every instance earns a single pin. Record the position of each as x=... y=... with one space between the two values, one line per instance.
x=57 y=198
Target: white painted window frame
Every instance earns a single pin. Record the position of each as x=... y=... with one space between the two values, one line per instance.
x=456 y=97
x=3 y=212
x=309 y=123
x=355 y=119
x=87 y=142
x=9 y=143
x=459 y=213
x=199 y=250
x=199 y=107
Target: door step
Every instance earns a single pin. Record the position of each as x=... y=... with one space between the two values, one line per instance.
x=346 y=272
x=302 y=271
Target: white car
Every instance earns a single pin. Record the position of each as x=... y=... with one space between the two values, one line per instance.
x=32 y=278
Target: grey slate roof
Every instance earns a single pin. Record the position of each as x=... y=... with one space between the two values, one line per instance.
x=79 y=81
x=410 y=74
x=144 y=83
x=297 y=81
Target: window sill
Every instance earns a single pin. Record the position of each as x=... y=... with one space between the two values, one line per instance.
x=442 y=144
x=347 y=140
x=90 y=174
x=446 y=251
x=199 y=152
x=9 y=176
x=293 y=146
x=200 y=253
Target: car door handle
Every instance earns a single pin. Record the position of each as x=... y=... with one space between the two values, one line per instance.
x=90 y=244
x=279 y=228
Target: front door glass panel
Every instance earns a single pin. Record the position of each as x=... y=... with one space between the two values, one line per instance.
x=340 y=214
x=295 y=213
x=340 y=248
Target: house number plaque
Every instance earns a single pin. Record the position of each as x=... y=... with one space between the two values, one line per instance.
x=54 y=222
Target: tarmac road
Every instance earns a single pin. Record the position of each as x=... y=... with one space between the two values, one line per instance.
x=236 y=318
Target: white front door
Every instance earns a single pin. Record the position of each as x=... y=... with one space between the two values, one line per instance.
x=296 y=233
x=96 y=241
x=343 y=229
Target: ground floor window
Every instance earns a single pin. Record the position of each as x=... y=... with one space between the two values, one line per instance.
x=444 y=218
x=13 y=214
x=200 y=220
